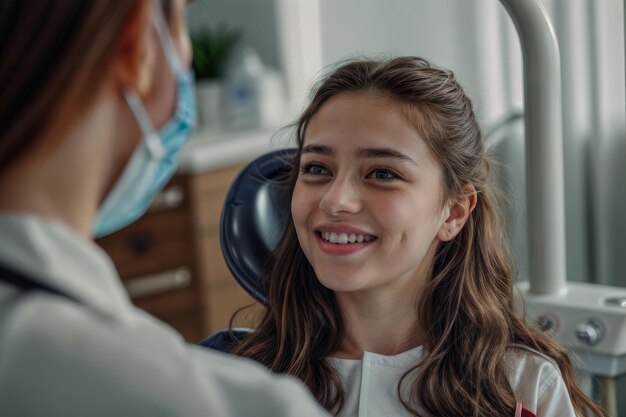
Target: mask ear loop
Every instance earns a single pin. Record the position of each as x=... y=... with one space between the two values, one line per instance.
x=166 y=40
x=152 y=141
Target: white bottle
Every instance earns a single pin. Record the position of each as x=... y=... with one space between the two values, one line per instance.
x=243 y=90
x=273 y=100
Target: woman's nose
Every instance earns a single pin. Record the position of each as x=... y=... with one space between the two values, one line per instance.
x=342 y=196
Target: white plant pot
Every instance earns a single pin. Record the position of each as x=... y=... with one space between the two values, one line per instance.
x=209 y=97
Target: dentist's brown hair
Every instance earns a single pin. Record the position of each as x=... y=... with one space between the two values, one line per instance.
x=466 y=307
x=53 y=53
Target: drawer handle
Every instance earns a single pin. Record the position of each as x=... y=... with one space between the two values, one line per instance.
x=170 y=198
x=159 y=283
x=140 y=244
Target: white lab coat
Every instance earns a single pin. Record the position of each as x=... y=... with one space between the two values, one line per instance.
x=102 y=356
x=371 y=383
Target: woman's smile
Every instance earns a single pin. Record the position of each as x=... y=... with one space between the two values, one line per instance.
x=343 y=234
x=342 y=241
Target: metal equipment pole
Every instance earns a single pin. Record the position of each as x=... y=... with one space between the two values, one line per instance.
x=544 y=146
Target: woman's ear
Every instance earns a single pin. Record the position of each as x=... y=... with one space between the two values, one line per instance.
x=135 y=56
x=459 y=211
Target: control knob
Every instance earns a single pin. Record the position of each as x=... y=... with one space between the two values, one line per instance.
x=590 y=332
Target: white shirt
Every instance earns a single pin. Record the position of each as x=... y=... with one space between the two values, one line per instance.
x=104 y=357
x=371 y=384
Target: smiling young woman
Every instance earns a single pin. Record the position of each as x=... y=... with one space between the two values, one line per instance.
x=392 y=290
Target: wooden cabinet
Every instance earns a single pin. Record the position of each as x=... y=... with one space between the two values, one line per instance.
x=170 y=260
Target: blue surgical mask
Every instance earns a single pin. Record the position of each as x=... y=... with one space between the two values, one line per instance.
x=155 y=159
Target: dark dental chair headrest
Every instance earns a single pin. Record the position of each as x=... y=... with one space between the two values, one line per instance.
x=252 y=221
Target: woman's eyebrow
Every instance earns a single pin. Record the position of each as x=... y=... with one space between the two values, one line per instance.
x=320 y=149
x=384 y=153
x=363 y=153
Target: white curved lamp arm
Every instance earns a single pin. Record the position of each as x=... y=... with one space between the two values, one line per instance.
x=544 y=145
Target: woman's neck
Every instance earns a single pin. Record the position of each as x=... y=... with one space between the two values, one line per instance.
x=385 y=324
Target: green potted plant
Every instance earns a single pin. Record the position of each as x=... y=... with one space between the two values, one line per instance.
x=211 y=49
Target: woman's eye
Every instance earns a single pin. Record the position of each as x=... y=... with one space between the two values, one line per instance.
x=383 y=175
x=314 y=169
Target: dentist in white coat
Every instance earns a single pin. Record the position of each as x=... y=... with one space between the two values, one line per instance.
x=96 y=101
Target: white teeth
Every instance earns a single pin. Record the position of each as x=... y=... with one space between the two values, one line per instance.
x=344 y=238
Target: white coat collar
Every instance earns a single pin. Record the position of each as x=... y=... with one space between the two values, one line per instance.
x=403 y=360
x=51 y=252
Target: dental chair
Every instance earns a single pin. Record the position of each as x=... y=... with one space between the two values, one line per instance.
x=251 y=226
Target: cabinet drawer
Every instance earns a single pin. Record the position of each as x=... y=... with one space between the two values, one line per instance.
x=155 y=242
x=164 y=256
x=152 y=228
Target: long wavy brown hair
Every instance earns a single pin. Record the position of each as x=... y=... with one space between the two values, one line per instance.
x=466 y=308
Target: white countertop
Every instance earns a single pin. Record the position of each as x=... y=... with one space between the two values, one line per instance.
x=209 y=150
